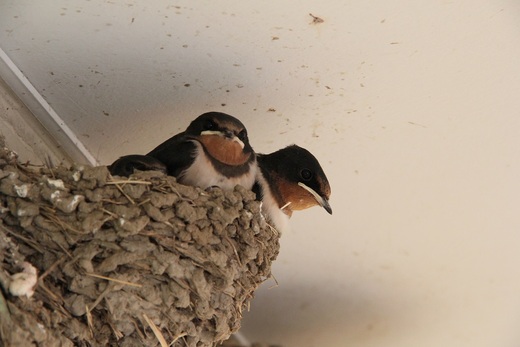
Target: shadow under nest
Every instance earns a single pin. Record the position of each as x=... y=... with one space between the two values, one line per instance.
x=126 y=262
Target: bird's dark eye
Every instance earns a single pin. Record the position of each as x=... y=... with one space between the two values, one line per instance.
x=306 y=174
x=242 y=135
x=209 y=125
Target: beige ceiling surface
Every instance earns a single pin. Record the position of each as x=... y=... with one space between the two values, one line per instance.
x=412 y=109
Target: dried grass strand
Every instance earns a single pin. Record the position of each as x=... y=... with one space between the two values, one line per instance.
x=114 y=280
x=156 y=331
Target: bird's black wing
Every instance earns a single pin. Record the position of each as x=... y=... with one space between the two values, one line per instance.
x=176 y=153
x=126 y=165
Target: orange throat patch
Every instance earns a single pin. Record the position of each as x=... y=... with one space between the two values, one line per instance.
x=225 y=150
x=297 y=197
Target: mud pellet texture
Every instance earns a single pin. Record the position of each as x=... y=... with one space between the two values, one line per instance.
x=117 y=257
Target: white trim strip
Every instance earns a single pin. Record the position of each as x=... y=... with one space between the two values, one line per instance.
x=43 y=112
x=241 y=339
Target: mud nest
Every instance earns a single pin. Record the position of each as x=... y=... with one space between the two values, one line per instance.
x=124 y=262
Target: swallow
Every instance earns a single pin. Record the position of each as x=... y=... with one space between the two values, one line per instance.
x=213 y=151
x=290 y=179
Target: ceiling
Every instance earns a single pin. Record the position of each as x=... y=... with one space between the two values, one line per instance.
x=412 y=108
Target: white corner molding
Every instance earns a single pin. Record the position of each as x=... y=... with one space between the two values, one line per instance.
x=242 y=340
x=43 y=112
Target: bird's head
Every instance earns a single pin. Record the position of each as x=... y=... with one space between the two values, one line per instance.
x=223 y=137
x=298 y=179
